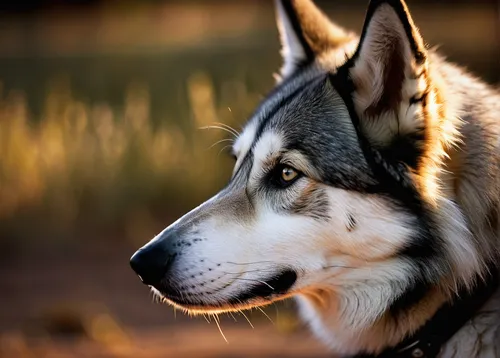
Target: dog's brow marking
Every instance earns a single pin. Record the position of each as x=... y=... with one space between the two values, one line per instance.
x=297 y=160
x=267 y=147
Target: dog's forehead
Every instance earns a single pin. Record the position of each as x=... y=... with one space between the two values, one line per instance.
x=310 y=117
x=269 y=107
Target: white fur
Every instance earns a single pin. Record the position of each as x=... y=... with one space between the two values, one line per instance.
x=243 y=143
x=268 y=146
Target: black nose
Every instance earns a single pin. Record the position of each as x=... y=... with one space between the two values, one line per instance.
x=151 y=263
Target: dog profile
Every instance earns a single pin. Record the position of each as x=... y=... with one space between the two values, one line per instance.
x=366 y=185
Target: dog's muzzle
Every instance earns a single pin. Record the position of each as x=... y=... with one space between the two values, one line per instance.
x=162 y=264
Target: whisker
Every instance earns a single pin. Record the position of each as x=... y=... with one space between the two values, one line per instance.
x=219 y=127
x=232 y=315
x=248 y=320
x=234 y=131
x=249 y=263
x=221 y=141
x=220 y=329
x=247 y=271
x=265 y=314
x=276 y=310
x=220 y=151
x=253 y=280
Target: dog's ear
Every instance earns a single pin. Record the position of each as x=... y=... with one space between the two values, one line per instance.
x=389 y=72
x=305 y=33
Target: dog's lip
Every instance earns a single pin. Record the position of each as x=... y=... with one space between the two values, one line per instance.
x=275 y=286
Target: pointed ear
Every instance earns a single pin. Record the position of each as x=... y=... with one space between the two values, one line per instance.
x=305 y=33
x=388 y=68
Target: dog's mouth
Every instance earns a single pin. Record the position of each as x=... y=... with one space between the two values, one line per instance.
x=275 y=286
x=259 y=294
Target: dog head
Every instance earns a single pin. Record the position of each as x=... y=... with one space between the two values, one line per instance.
x=335 y=189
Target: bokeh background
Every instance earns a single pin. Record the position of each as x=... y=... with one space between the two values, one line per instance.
x=100 y=148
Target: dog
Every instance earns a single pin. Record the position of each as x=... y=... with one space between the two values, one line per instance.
x=365 y=185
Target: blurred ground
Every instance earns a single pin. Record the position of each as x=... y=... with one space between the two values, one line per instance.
x=100 y=106
x=87 y=303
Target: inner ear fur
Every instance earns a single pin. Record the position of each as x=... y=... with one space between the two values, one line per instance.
x=390 y=55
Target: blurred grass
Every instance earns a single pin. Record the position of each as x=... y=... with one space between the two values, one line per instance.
x=82 y=163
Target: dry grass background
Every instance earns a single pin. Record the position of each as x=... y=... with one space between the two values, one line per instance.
x=82 y=163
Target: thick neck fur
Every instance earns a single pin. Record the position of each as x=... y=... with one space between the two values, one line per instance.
x=468 y=175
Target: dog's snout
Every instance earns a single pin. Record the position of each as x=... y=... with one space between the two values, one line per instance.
x=151 y=263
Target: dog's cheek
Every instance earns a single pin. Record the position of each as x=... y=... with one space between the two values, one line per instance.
x=366 y=227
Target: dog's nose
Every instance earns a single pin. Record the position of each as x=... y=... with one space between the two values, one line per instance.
x=151 y=263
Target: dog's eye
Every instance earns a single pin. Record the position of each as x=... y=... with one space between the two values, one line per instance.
x=284 y=176
x=288 y=174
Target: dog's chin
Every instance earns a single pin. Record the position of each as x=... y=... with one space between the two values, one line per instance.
x=265 y=292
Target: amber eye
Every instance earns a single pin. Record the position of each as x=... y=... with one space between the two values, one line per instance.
x=282 y=176
x=288 y=174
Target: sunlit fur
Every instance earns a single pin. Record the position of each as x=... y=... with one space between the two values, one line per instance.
x=344 y=243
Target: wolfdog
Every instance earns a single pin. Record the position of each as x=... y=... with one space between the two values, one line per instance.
x=366 y=185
